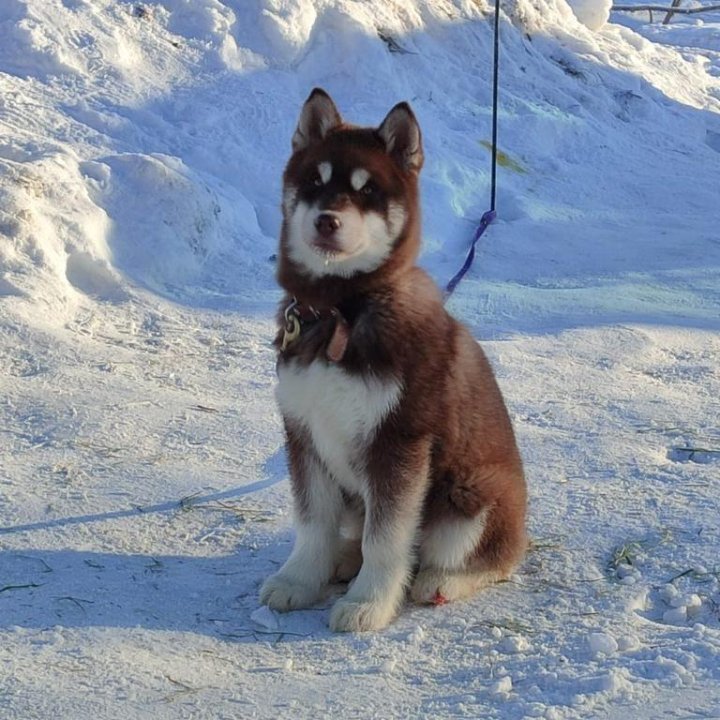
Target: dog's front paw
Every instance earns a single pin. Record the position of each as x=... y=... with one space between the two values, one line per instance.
x=283 y=593
x=349 y=616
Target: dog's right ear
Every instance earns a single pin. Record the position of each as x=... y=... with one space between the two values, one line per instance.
x=319 y=115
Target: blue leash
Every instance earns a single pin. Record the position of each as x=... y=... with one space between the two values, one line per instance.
x=485 y=220
x=490 y=215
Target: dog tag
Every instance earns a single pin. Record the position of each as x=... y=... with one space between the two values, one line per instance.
x=292 y=332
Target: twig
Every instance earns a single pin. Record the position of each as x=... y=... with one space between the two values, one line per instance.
x=184 y=689
x=76 y=601
x=186 y=503
x=665 y=8
x=392 y=44
x=37 y=559
x=184 y=686
x=679 y=575
x=204 y=408
x=695 y=575
x=20 y=587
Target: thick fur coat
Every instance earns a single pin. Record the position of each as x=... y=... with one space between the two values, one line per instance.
x=403 y=462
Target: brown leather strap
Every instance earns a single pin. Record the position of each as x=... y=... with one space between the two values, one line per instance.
x=308 y=315
x=339 y=340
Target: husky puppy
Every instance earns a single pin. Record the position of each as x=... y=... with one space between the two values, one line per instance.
x=403 y=463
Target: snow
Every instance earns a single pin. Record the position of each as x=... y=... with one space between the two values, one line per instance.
x=591 y=13
x=143 y=487
x=602 y=643
x=503 y=686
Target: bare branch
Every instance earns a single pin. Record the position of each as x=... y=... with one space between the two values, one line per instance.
x=665 y=8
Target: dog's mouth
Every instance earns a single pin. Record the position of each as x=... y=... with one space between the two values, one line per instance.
x=327 y=248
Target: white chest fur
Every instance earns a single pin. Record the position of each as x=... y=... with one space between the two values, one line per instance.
x=341 y=412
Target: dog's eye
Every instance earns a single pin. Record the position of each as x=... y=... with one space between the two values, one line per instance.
x=368 y=188
x=317 y=181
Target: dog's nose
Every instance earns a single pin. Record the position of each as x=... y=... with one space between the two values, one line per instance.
x=326 y=224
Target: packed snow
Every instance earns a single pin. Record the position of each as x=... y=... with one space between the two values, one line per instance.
x=143 y=483
x=591 y=13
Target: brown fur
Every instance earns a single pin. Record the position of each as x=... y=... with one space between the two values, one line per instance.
x=450 y=430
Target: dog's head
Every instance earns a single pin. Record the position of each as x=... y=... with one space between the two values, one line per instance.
x=350 y=193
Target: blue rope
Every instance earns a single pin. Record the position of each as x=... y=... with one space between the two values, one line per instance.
x=485 y=220
x=490 y=215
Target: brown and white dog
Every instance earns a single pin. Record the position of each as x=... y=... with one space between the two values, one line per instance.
x=403 y=462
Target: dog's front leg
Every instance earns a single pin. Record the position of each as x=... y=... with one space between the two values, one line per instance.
x=396 y=490
x=303 y=579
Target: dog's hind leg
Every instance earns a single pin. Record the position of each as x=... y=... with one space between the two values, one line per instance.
x=349 y=558
x=460 y=556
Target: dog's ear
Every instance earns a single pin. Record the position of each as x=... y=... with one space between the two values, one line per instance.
x=401 y=134
x=319 y=115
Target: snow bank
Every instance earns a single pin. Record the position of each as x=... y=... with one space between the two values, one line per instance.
x=99 y=227
x=168 y=174
x=143 y=486
x=166 y=224
x=55 y=236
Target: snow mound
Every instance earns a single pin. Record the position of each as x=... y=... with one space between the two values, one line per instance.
x=209 y=25
x=602 y=643
x=165 y=223
x=96 y=228
x=55 y=235
x=591 y=13
x=31 y=46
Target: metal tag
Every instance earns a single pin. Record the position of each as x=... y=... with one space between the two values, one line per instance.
x=292 y=331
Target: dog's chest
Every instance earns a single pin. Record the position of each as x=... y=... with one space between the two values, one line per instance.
x=341 y=412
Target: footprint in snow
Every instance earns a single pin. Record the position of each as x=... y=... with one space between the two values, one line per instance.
x=673 y=605
x=694 y=454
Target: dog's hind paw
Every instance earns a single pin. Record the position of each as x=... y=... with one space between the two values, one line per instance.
x=349 y=616
x=282 y=593
x=438 y=587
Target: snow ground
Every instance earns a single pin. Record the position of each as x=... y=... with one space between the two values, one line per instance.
x=143 y=493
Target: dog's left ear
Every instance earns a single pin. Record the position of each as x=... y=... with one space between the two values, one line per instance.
x=319 y=115
x=401 y=134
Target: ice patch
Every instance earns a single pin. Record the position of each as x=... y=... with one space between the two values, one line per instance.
x=266 y=618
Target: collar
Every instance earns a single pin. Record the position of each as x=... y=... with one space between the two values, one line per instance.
x=299 y=316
